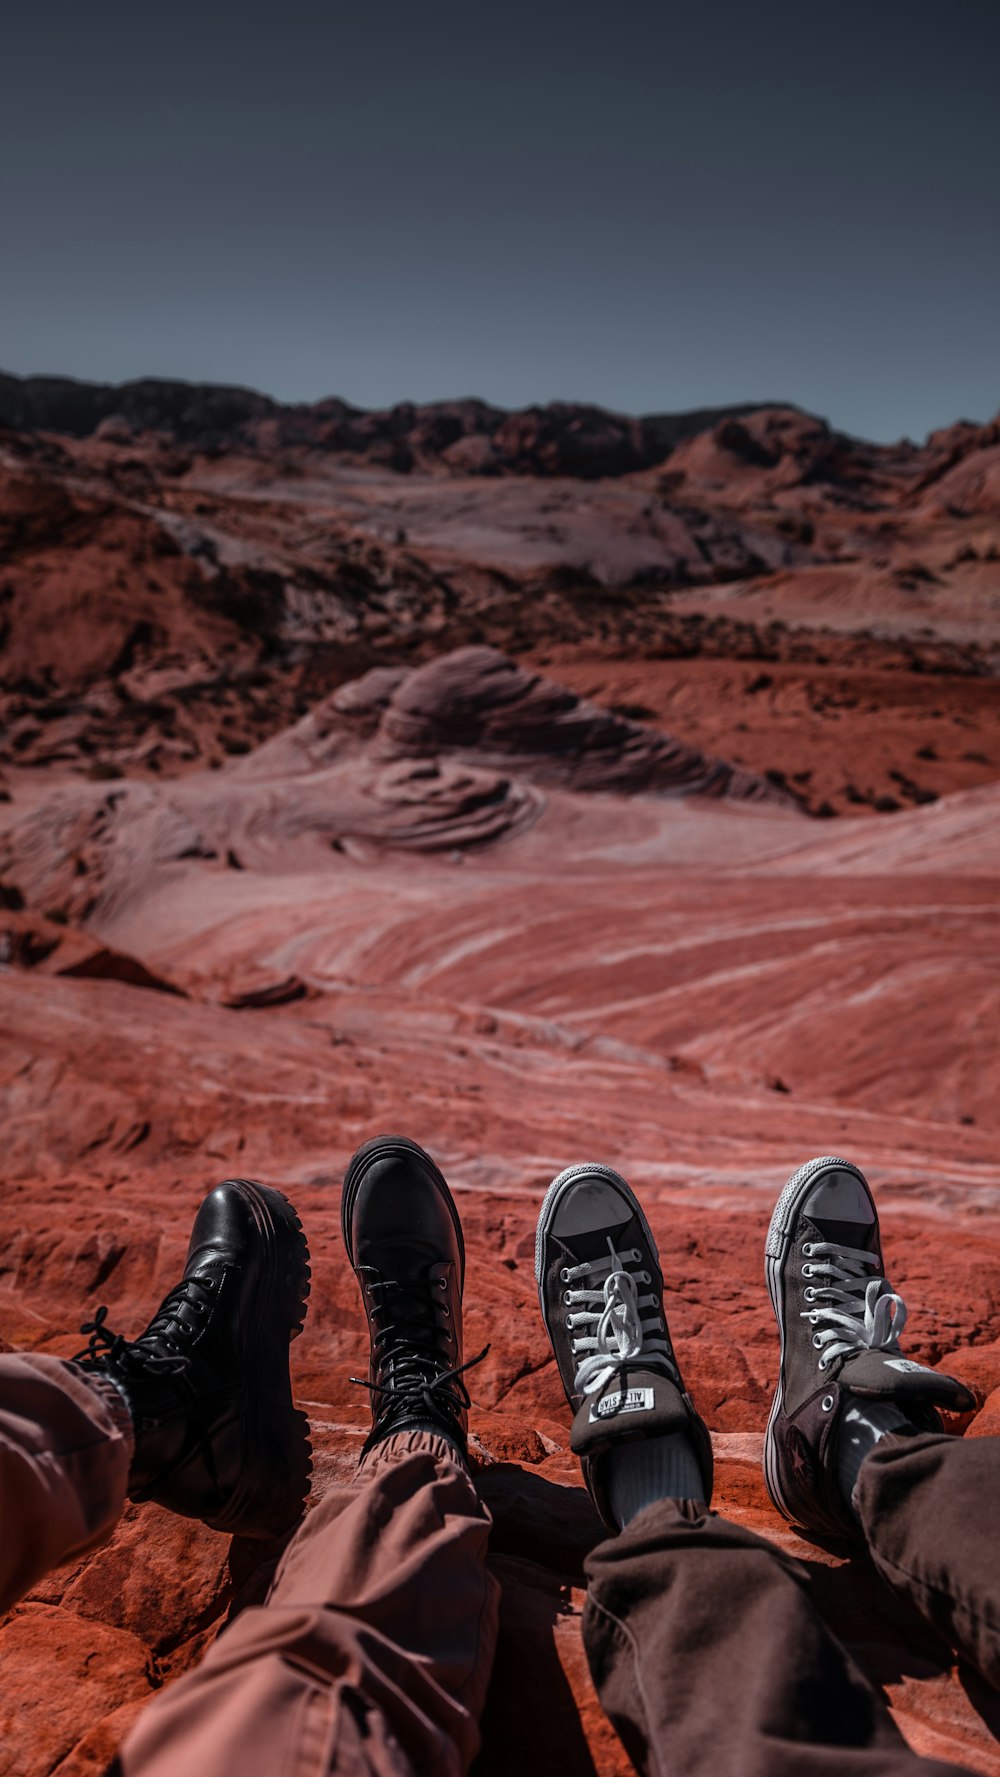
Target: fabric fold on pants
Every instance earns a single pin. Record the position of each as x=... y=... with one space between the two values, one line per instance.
x=65 y=1448
x=930 y=1510
x=712 y=1660
x=373 y=1651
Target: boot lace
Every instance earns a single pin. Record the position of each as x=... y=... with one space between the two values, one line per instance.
x=852 y=1309
x=159 y=1350
x=404 y=1355
x=612 y=1324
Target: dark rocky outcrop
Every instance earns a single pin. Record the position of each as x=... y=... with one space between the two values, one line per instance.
x=470 y=436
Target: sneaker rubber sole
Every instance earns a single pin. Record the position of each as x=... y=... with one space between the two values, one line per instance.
x=776 y=1248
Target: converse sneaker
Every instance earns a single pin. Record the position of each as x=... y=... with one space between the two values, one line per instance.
x=207 y=1383
x=840 y=1323
x=601 y=1294
x=404 y=1242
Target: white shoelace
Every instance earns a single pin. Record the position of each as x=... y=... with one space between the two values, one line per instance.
x=609 y=1324
x=854 y=1310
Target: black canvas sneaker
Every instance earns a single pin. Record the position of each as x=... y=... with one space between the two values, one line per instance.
x=404 y=1241
x=207 y=1383
x=840 y=1323
x=601 y=1294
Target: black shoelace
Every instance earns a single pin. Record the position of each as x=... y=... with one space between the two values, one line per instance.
x=158 y=1351
x=403 y=1352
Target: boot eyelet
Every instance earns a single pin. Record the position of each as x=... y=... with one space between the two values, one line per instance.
x=636 y=1255
x=644 y=1277
x=445 y=1309
x=827 y=1403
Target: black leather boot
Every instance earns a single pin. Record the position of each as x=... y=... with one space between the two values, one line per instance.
x=404 y=1241
x=207 y=1383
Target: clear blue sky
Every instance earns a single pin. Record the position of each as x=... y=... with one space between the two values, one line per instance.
x=651 y=206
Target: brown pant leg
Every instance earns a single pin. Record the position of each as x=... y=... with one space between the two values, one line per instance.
x=930 y=1510
x=65 y=1449
x=373 y=1651
x=709 y=1657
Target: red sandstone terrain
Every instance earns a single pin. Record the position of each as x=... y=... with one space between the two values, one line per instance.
x=545 y=785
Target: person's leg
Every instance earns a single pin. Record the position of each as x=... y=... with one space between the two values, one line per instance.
x=373 y=1651
x=195 y=1413
x=928 y=1509
x=65 y=1448
x=706 y=1649
x=709 y=1656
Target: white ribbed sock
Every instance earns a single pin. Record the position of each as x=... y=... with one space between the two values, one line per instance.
x=861 y=1428
x=652 y=1468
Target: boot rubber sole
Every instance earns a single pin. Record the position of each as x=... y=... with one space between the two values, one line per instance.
x=275 y=1480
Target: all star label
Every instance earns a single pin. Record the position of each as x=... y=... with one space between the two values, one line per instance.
x=905 y=1363
x=634 y=1400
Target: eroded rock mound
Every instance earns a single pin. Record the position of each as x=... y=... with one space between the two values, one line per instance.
x=475 y=702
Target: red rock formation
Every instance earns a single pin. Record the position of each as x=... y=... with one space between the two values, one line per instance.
x=396 y=877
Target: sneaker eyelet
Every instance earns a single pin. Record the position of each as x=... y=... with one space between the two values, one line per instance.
x=807 y=1270
x=818 y=1343
x=809 y=1295
x=808 y=1249
x=569 y=1324
x=564 y=1274
x=814 y=1317
x=636 y=1255
x=827 y=1403
x=644 y=1277
x=566 y=1297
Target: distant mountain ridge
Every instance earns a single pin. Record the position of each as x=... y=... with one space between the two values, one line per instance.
x=462 y=436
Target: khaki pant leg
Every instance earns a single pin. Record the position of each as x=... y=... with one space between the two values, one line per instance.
x=65 y=1448
x=373 y=1651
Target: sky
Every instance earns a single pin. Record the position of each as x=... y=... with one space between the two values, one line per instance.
x=648 y=206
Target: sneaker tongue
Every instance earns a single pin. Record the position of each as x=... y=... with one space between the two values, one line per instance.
x=582 y=1245
x=886 y=1375
x=648 y=1405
